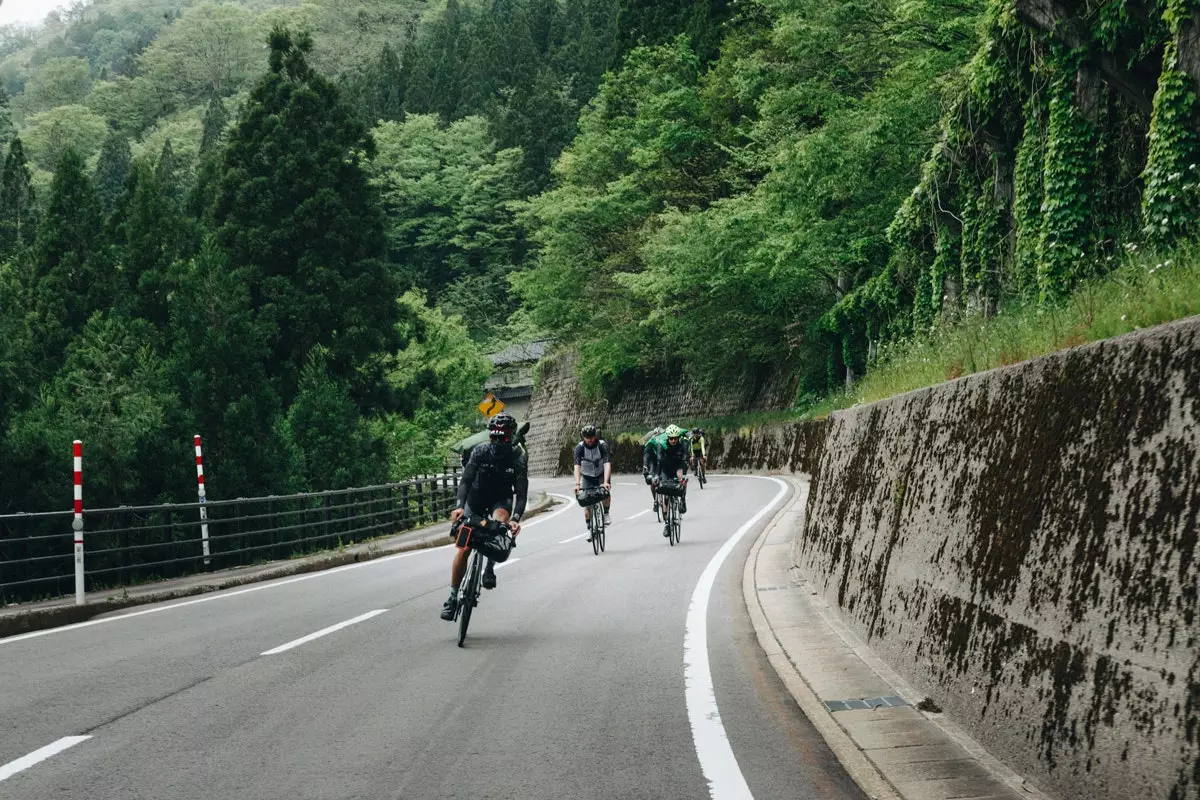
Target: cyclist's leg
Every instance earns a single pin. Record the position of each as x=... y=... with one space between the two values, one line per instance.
x=500 y=513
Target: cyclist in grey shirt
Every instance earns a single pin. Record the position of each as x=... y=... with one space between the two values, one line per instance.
x=593 y=469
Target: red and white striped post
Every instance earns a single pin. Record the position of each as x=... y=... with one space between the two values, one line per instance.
x=77 y=523
x=200 y=491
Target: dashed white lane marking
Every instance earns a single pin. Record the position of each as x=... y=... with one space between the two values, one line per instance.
x=635 y=516
x=717 y=761
x=260 y=587
x=41 y=754
x=323 y=632
x=507 y=563
x=573 y=538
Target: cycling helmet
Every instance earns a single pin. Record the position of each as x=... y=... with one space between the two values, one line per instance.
x=590 y=430
x=674 y=431
x=502 y=427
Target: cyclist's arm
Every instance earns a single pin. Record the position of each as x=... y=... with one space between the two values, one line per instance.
x=607 y=461
x=704 y=447
x=521 y=488
x=468 y=478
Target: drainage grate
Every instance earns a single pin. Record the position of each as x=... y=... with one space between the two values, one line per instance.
x=865 y=703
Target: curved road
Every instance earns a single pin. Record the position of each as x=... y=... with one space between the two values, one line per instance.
x=571 y=684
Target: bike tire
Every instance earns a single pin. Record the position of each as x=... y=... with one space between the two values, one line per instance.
x=468 y=597
x=603 y=532
x=676 y=529
x=595 y=530
x=700 y=475
x=671 y=512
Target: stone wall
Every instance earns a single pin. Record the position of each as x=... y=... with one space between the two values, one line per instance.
x=642 y=402
x=1021 y=545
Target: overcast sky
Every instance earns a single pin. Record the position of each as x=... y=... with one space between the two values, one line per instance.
x=27 y=10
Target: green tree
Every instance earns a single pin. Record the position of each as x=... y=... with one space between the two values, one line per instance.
x=111 y=168
x=18 y=208
x=210 y=51
x=218 y=365
x=74 y=277
x=53 y=132
x=295 y=210
x=58 y=82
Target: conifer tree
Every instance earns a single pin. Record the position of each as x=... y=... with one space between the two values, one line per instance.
x=215 y=120
x=18 y=209
x=295 y=211
x=111 y=168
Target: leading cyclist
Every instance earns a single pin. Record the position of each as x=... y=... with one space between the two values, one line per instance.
x=495 y=473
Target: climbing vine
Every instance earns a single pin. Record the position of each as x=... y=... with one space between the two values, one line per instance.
x=1028 y=192
x=1069 y=182
x=1171 y=200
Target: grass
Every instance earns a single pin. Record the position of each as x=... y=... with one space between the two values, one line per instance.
x=1144 y=291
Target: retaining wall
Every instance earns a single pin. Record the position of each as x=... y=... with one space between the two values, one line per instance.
x=1022 y=546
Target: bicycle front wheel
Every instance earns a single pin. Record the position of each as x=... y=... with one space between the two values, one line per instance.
x=601 y=534
x=469 y=596
x=596 y=525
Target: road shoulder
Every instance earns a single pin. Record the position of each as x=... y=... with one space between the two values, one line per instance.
x=865 y=711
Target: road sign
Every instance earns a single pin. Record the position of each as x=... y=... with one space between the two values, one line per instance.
x=490 y=406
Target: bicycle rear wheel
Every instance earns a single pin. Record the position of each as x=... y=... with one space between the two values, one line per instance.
x=469 y=596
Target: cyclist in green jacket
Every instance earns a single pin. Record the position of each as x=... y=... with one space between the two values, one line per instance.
x=666 y=456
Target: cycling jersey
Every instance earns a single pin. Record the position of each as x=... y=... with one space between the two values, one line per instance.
x=591 y=460
x=493 y=475
x=664 y=459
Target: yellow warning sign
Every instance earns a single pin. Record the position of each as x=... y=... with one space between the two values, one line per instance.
x=490 y=406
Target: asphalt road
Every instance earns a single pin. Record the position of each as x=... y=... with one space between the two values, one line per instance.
x=572 y=683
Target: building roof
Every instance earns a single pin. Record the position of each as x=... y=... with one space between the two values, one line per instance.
x=520 y=353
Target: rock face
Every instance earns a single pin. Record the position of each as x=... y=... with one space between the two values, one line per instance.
x=642 y=402
x=1022 y=546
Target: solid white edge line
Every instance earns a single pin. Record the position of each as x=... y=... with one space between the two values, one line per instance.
x=208 y=598
x=717 y=761
x=41 y=754
x=323 y=632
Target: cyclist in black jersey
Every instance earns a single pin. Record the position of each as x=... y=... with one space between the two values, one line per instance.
x=495 y=483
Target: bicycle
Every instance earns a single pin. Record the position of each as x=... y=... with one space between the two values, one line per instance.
x=673 y=516
x=698 y=465
x=472 y=582
x=596 y=526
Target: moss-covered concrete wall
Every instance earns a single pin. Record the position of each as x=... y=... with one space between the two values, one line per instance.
x=1021 y=545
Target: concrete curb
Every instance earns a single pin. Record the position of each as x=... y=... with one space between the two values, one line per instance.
x=18 y=619
x=855 y=762
x=818 y=658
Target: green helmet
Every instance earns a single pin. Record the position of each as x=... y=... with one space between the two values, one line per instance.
x=674 y=431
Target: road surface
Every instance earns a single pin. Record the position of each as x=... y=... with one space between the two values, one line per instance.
x=345 y=684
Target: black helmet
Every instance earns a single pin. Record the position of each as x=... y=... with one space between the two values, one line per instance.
x=502 y=427
x=590 y=430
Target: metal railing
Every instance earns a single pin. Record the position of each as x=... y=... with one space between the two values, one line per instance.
x=130 y=545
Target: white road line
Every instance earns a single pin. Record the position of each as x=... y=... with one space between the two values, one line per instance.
x=717 y=761
x=573 y=538
x=506 y=563
x=635 y=516
x=25 y=762
x=324 y=632
x=260 y=587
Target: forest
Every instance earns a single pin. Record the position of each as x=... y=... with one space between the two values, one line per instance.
x=296 y=227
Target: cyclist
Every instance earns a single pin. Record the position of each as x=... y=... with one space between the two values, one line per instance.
x=666 y=456
x=593 y=470
x=496 y=472
x=699 y=447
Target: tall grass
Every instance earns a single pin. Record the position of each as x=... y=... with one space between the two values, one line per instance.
x=1144 y=291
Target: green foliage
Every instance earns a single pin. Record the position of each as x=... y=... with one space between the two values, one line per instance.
x=1171 y=201
x=18 y=207
x=294 y=209
x=112 y=167
x=450 y=194
x=51 y=133
x=1069 y=175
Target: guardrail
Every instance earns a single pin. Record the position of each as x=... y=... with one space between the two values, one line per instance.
x=138 y=544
